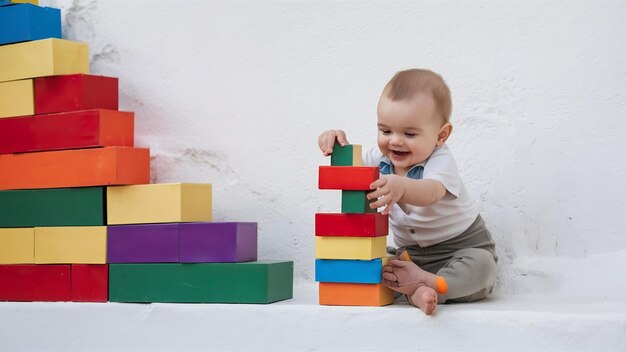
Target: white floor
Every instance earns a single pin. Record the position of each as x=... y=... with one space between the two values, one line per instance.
x=564 y=305
x=500 y=323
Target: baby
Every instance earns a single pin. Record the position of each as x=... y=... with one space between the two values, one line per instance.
x=432 y=216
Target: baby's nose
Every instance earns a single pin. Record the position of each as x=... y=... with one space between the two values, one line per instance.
x=396 y=139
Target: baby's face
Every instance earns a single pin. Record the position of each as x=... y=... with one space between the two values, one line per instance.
x=407 y=130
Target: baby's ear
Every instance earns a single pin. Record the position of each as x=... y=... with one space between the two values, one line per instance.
x=444 y=132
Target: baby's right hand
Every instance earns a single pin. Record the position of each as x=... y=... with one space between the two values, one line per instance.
x=327 y=139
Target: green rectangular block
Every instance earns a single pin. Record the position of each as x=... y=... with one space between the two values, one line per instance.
x=251 y=282
x=356 y=202
x=53 y=207
x=348 y=155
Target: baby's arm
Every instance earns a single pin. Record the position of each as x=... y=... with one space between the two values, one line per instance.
x=392 y=189
x=326 y=140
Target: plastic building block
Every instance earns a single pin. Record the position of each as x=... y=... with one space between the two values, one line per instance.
x=356 y=202
x=218 y=242
x=351 y=225
x=16 y=99
x=348 y=294
x=354 y=271
x=348 y=155
x=159 y=203
x=75 y=92
x=75 y=168
x=205 y=242
x=253 y=282
x=35 y=282
x=354 y=178
x=26 y=22
x=40 y=58
x=17 y=246
x=71 y=130
x=71 y=245
x=90 y=283
x=150 y=243
x=34 y=2
x=53 y=207
x=363 y=248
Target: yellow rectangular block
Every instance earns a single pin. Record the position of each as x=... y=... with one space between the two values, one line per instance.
x=17 y=246
x=40 y=58
x=17 y=98
x=71 y=245
x=357 y=155
x=34 y=2
x=363 y=248
x=159 y=203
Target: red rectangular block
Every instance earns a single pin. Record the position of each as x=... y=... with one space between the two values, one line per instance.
x=75 y=168
x=68 y=130
x=351 y=225
x=90 y=283
x=35 y=283
x=75 y=92
x=352 y=178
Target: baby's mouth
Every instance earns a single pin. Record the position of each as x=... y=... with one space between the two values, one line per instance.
x=398 y=154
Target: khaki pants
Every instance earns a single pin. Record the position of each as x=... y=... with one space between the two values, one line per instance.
x=467 y=262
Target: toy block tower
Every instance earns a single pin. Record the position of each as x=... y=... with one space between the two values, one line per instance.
x=163 y=247
x=76 y=206
x=62 y=141
x=351 y=245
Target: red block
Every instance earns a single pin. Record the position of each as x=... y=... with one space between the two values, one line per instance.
x=351 y=225
x=90 y=283
x=351 y=178
x=75 y=92
x=34 y=282
x=68 y=130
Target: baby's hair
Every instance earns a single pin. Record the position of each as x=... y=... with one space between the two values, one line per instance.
x=406 y=84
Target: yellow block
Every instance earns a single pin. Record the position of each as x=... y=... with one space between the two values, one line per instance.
x=34 y=2
x=159 y=203
x=71 y=245
x=363 y=248
x=357 y=155
x=39 y=58
x=17 y=246
x=17 y=98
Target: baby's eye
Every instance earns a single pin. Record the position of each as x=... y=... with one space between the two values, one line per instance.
x=410 y=135
x=385 y=131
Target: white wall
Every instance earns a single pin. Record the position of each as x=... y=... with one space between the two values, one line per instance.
x=236 y=93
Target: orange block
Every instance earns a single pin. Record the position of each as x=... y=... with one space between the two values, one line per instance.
x=75 y=168
x=349 y=294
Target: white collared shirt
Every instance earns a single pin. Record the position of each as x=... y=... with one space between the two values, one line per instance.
x=429 y=225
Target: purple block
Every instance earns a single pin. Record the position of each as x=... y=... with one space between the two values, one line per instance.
x=218 y=242
x=156 y=243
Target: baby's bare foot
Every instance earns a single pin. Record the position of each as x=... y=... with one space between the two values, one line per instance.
x=407 y=277
x=425 y=298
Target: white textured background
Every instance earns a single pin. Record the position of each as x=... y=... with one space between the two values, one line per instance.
x=236 y=93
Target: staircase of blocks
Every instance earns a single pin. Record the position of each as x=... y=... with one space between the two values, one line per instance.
x=350 y=247
x=79 y=219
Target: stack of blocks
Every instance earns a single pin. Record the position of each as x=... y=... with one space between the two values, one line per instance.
x=79 y=220
x=351 y=245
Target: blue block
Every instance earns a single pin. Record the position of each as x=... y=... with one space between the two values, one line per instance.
x=352 y=271
x=25 y=22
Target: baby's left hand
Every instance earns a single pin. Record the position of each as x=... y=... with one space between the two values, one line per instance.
x=389 y=190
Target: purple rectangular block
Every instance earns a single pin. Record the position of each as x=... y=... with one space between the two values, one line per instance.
x=156 y=243
x=218 y=242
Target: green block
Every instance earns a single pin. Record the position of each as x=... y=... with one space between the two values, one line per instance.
x=252 y=282
x=53 y=207
x=356 y=202
x=349 y=155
